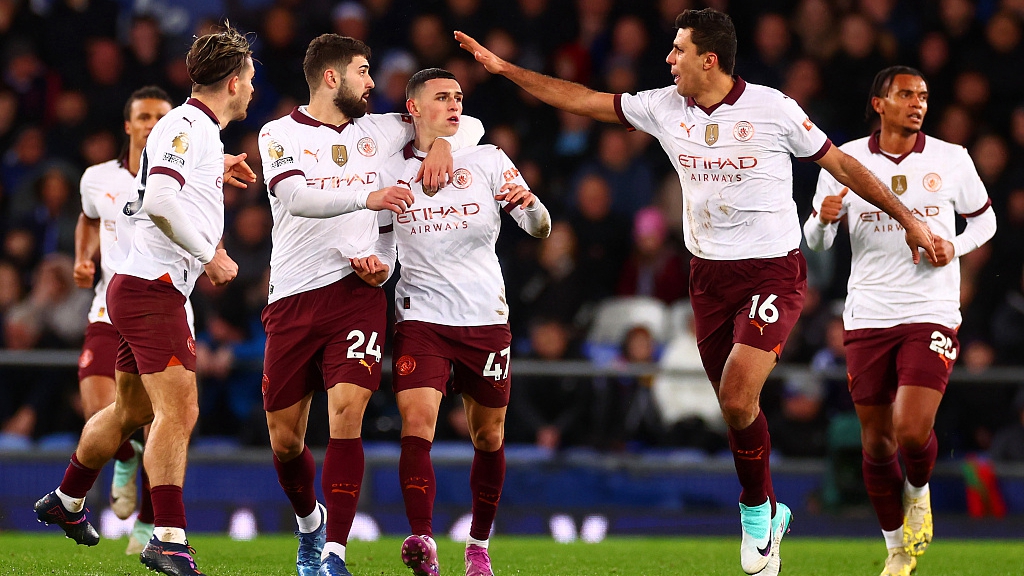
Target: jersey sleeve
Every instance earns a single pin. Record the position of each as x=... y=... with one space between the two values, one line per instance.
x=87 y=188
x=798 y=135
x=637 y=111
x=278 y=152
x=971 y=198
x=174 y=150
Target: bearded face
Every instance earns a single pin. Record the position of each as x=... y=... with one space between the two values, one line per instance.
x=349 y=103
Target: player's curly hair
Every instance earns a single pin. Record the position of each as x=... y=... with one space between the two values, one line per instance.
x=711 y=31
x=217 y=56
x=882 y=83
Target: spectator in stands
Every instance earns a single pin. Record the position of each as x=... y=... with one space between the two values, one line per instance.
x=1008 y=443
x=628 y=173
x=52 y=220
x=602 y=236
x=623 y=407
x=549 y=411
x=554 y=288
x=768 y=62
x=656 y=267
x=106 y=88
x=144 y=60
x=350 y=19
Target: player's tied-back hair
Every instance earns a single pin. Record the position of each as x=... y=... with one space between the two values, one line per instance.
x=420 y=78
x=883 y=81
x=217 y=56
x=330 y=51
x=711 y=31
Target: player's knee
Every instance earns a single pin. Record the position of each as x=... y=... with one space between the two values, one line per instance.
x=490 y=437
x=737 y=412
x=286 y=445
x=913 y=435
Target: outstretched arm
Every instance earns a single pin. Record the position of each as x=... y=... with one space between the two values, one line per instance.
x=849 y=172
x=562 y=94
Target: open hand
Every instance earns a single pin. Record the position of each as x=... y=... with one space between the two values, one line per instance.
x=237 y=172
x=491 y=63
x=516 y=195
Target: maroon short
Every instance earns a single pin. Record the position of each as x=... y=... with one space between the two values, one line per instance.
x=323 y=337
x=754 y=302
x=880 y=360
x=425 y=354
x=99 y=351
x=150 y=317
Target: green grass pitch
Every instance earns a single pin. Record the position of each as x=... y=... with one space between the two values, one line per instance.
x=51 y=554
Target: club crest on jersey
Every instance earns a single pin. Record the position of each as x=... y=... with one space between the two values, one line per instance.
x=85 y=359
x=711 y=134
x=462 y=178
x=932 y=182
x=180 y=143
x=339 y=154
x=366 y=146
x=743 y=131
x=274 y=150
x=899 y=184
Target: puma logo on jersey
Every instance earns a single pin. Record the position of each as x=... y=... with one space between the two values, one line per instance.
x=760 y=327
x=415 y=487
x=113 y=198
x=945 y=361
x=369 y=367
x=687 y=128
x=187 y=120
x=350 y=489
x=315 y=155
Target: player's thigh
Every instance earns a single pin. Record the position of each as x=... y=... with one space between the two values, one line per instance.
x=871 y=365
x=746 y=370
x=131 y=399
x=154 y=326
x=173 y=394
x=96 y=367
x=422 y=357
x=291 y=360
x=354 y=329
x=287 y=428
x=755 y=302
x=926 y=355
x=483 y=364
x=97 y=393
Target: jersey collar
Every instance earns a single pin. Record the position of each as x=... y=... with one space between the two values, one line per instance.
x=204 y=108
x=875 y=149
x=737 y=90
x=410 y=152
x=304 y=118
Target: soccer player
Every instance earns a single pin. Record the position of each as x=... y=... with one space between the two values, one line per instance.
x=730 y=143
x=167 y=237
x=324 y=325
x=105 y=188
x=900 y=318
x=451 y=312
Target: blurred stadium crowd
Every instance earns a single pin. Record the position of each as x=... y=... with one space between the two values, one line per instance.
x=68 y=66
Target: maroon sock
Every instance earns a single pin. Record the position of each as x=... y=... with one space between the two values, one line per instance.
x=486 y=478
x=297 y=478
x=750 y=450
x=168 y=508
x=341 y=480
x=884 y=482
x=416 y=475
x=78 y=479
x=920 y=462
x=125 y=452
x=146 y=505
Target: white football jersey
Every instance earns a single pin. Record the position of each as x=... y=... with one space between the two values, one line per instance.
x=734 y=166
x=936 y=181
x=185 y=145
x=450 y=272
x=105 y=188
x=310 y=253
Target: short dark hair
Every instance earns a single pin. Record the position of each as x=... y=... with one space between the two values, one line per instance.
x=711 y=31
x=329 y=50
x=882 y=83
x=145 y=93
x=420 y=78
x=214 y=57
